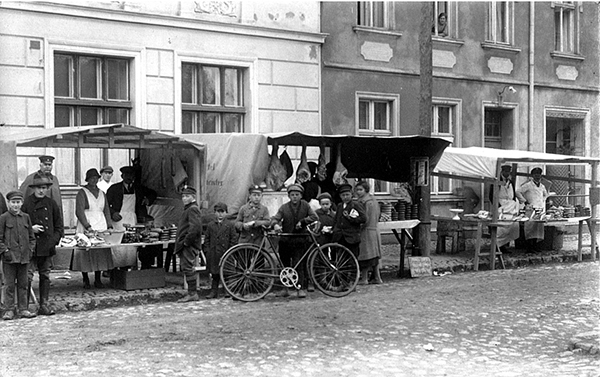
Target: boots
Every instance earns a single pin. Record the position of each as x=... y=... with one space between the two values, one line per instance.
x=190 y=296
x=214 y=289
x=44 y=308
x=364 y=276
x=98 y=279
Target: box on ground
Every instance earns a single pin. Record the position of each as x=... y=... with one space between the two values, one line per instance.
x=138 y=279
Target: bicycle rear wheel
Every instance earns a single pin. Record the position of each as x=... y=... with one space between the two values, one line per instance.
x=247 y=272
x=334 y=269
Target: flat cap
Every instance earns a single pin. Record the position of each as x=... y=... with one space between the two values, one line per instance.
x=107 y=169
x=127 y=169
x=220 y=206
x=14 y=195
x=295 y=187
x=344 y=188
x=40 y=180
x=255 y=188
x=324 y=195
x=46 y=159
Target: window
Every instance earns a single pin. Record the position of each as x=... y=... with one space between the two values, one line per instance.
x=500 y=22
x=213 y=99
x=377 y=116
x=90 y=90
x=565 y=27
x=443 y=119
x=373 y=14
x=493 y=128
x=441 y=18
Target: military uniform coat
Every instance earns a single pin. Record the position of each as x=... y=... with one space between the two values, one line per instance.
x=250 y=212
x=219 y=237
x=53 y=191
x=45 y=212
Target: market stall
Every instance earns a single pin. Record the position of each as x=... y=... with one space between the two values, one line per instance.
x=483 y=165
x=167 y=162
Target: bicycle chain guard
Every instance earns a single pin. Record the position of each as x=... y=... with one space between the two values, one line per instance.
x=289 y=277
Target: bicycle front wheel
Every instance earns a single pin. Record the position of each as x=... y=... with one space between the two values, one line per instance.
x=247 y=272
x=334 y=269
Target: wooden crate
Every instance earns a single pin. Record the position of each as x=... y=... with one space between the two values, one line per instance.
x=138 y=279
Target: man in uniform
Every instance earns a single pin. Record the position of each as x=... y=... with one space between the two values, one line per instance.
x=47 y=224
x=533 y=194
x=106 y=174
x=127 y=201
x=189 y=241
x=45 y=171
x=252 y=217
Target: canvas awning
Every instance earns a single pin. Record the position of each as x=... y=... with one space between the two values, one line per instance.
x=383 y=158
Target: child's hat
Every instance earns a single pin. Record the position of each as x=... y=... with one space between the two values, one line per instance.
x=344 y=188
x=324 y=195
x=14 y=195
x=255 y=188
x=295 y=187
x=220 y=206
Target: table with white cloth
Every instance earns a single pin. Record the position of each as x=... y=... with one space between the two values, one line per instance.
x=401 y=230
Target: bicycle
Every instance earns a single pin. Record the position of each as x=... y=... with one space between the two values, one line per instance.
x=248 y=271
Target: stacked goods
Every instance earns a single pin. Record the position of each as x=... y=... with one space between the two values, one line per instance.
x=401 y=210
x=386 y=210
x=586 y=212
x=173 y=232
x=164 y=235
x=414 y=212
x=394 y=214
x=568 y=212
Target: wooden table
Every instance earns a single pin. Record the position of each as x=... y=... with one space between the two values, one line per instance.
x=401 y=231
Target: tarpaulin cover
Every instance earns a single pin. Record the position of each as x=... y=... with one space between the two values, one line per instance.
x=234 y=162
x=482 y=162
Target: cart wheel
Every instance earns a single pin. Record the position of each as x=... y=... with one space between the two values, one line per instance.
x=247 y=272
x=334 y=269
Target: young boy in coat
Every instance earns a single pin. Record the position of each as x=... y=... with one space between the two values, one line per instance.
x=220 y=236
x=189 y=242
x=17 y=243
x=293 y=217
x=326 y=218
x=252 y=216
x=348 y=218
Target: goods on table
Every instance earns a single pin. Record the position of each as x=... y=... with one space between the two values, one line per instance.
x=82 y=240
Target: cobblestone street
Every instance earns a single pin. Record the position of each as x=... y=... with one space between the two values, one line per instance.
x=491 y=323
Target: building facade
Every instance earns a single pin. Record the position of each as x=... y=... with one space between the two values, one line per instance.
x=175 y=67
x=509 y=75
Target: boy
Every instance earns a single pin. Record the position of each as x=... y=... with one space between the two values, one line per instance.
x=294 y=216
x=326 y=218
x=348 y=218
x=188 y=244
x=251 y=217
x=17 y=243
x=47 y=223
x=220 y=236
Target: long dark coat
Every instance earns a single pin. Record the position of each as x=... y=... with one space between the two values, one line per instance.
x=44 y=211
x=219 y=237
x=345 y=227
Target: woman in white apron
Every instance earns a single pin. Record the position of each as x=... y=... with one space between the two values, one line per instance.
x=507 y=204
x=533 y=193
x=93 y=215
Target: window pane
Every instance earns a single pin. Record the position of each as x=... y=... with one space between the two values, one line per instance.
x=381 y=117
x=210 y=82
x=232 y=87
x=118 y=79
x=118 y=116
x=363 y=115
x=557 y=30
x=187 y=83
x=232 y=123
x=378 y=14
x=89 y=116
x=62 y=116
x=209 y=123
x=364 y=14
x=444 y=119
x=443 y=184
x=187 y=122
x=89 y=69
x=63 y=67
x=566 y=34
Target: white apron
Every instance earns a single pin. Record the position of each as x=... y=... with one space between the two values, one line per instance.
x=94 y=214
x=508 y=204
x=127 y=212
x=536 y=196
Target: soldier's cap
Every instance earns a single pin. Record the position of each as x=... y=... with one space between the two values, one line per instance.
x=536 y=170
x=40 y=180
x=220 y=206
x=295 y=187
x=188 y=190
x=324 y=195
x=255 y=188
x=107 y=169
x=14 y=195
x=127 y=170
x=91 y=173
x=344 y=188
x=46 y=159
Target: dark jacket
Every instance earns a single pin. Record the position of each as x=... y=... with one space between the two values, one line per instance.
x=3 y=207
x=17 y=241
x=219 y=237
x=326 y=219
x=290 y=215
x=114 y=197
x=45 y=212
x=189 y=230
x=346 y=227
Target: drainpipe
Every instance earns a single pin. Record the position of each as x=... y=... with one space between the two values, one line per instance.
x=530 y=123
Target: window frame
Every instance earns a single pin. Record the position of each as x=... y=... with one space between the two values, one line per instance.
x=574 y=29
x=453 y=136
x=492 y=23
x=388 y=15
x=451 y=20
